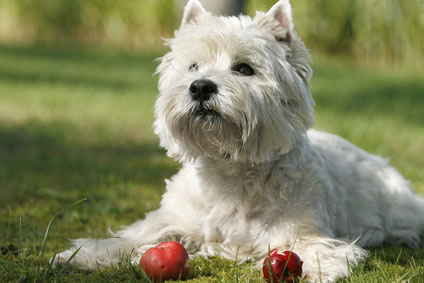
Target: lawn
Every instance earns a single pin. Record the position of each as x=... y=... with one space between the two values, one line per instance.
x=77 y=124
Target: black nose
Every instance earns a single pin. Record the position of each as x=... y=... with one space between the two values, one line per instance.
x=202 y=90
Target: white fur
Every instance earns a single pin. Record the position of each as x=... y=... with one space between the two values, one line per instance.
x=253 y=176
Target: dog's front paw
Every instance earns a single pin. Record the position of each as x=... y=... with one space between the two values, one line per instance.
x=60 y=259
x=327 y=259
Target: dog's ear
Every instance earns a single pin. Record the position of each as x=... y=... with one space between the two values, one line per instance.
x=282 y=13
x=193 y=12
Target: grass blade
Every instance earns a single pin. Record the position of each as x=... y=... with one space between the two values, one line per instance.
x=20 y=236
x=383 y=273
x=145 y=276
x=8 y=262
x=51 y=262
x=403 y=277
x=70 y=258
x=51 y=220
x=8 y=226
x=398 y=257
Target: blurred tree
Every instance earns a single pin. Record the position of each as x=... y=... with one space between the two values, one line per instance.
x=122 y=23
x=52 y=18
x=372 y=30
x=217 y=7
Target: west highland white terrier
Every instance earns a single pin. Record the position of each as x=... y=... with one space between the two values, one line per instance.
x=235 y=108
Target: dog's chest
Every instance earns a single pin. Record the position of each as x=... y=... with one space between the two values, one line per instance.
x=240 y=201
x=238 y=186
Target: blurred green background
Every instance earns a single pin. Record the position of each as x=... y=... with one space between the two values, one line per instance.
x=76 y=110
x=370 y=30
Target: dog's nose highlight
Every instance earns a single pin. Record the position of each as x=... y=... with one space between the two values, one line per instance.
x=202 y=90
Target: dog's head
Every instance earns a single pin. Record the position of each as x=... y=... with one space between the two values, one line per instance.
x=234 y=87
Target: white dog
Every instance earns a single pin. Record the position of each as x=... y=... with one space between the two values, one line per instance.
x=235 y=108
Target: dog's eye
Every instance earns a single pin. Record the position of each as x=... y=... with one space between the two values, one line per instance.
x=244 y=69
x=193 y=67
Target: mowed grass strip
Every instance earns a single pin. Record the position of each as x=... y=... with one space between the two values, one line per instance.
x=78 y=123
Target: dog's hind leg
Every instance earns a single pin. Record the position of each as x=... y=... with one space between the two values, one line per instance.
x=403 y=211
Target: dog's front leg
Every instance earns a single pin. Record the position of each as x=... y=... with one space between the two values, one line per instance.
x=131 y=242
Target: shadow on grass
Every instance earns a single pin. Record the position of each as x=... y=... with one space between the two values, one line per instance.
x=100 y=57
x=352 y=92
x=398 y=255
x=73 y=67
x=53 y=78
x=46 y=165
x=40 y=158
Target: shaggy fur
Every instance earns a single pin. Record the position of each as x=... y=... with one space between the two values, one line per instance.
x=253 y=176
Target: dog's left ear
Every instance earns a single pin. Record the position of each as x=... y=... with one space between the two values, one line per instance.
x=282 y=13
x=193 y=12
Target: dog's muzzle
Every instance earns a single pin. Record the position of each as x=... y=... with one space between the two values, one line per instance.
x=202 y=90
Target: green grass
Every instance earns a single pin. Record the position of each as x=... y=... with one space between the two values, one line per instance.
x=77 y=123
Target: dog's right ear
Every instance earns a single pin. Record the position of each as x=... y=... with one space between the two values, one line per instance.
x=194 y=12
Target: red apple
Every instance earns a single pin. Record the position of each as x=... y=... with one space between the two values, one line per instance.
x=166 y=261
x=281 y=267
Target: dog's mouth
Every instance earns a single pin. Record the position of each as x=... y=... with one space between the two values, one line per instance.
x=206 y=112
x=203 y=111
